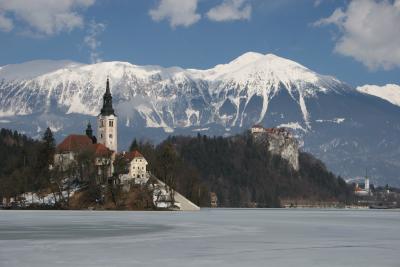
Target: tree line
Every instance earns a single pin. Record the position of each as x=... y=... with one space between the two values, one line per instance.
x=241 y=172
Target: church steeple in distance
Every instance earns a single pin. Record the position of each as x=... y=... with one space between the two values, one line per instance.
x=107 y=122
x=107 y=108
x=89 y=131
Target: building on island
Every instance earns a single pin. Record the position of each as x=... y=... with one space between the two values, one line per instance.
x=137 y=168
x=104 y=147
x=107 y=122
x=75 y=145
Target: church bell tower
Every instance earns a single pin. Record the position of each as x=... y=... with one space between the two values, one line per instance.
x=107 y=122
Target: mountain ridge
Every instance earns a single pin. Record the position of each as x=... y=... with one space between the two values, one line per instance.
x=347 y=129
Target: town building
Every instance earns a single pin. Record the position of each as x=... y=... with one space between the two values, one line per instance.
x=137 y=168
x=213 y=200
x=366 y=191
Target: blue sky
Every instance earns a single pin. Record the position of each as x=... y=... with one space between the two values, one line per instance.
x=346 y=39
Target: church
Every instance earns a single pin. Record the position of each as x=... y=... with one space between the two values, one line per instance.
x=103 y=147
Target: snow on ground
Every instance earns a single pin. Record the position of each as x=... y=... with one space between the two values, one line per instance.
x=388 y=92
x=211 y=237
x=335 y=120
x=292 y=125
x=49 y=199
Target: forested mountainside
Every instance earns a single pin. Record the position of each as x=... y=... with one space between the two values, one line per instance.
x=241 y=172
x=22 y=163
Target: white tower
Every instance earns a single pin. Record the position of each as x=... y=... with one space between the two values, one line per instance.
x=366 y=187
x=107 y=122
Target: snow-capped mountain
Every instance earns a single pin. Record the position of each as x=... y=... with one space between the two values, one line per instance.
x=388 y=92
x=347 y=129
x=165 y=97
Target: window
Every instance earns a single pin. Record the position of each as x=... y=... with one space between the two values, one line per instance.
x=101 y=123
x=101 y=135
x=111 y=123
x=110 y=135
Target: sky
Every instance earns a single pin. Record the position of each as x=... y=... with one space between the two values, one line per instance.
x=357 y=41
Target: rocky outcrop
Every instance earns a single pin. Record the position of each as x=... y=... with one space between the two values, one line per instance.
x=279 y=142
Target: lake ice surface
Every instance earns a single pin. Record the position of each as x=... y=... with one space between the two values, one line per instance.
x=210 y=237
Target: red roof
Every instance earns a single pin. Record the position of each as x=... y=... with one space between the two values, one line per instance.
x=101 y=150
x=74 y=143
x=133 y=154
x=78 y=143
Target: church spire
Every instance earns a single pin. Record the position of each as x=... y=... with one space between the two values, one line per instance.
x=108 y=86
x=107 y=108
x=89 y=131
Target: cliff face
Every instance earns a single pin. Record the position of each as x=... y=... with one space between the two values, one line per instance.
x=280 y=142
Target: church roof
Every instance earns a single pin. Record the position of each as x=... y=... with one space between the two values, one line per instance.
x=75 y=143
x=101 y=150
x=133 y=154
x=78 y=143
x=107 y=108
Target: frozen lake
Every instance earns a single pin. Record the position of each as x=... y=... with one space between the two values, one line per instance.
x=211 y=237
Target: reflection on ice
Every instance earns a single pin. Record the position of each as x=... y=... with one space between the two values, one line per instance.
x=230 y=237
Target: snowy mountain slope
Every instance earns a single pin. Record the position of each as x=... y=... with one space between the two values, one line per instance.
x=348 y=129
x=203 y=96
x=388 y=92
x=31 y=69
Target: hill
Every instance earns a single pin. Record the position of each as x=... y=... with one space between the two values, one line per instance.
x=241 y=172
x=345 y=128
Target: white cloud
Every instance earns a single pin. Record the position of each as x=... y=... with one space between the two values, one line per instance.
x=177 y=12
x=91 y=40
x=369 y=32
x=317 y=3
x=230 y=10
x=43 y=17
x=6 y=24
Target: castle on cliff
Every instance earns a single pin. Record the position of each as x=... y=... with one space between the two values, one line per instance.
x=279 y=142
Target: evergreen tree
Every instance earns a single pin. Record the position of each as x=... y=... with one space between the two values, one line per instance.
x=134 y=145
x=46 y=158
